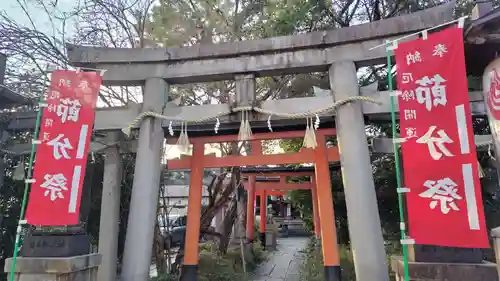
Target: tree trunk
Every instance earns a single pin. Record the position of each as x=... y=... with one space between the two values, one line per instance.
x=159 y=251
x=241 y=215
x=229 y=220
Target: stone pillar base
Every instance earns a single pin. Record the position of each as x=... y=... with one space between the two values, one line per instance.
x=189 y=272
x=79 y=268
x=427 y=271
x=495 y=233
x=333 y=273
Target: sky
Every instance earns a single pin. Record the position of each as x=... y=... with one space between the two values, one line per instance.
x=41 y=19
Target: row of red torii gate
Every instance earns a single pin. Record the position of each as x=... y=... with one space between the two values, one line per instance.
x=320 y=186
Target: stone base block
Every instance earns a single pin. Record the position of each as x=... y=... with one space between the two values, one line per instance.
x=56 y=245
x=271 y=240
x=426 y=271
x=79 y=268
x=431 y=253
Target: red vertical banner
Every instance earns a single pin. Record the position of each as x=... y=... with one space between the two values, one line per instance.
x=439 y=155
x=65 y=131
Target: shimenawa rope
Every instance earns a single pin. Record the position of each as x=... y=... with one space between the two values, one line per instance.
x=311 y=113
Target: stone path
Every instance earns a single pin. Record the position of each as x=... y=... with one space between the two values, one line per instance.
x=284 y=263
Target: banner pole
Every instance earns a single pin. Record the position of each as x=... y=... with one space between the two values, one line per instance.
x=27 y=183
x=397 y=164
x=389 y=42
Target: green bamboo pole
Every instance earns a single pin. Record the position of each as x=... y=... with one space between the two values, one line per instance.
x=397 y=164
x=26 y=188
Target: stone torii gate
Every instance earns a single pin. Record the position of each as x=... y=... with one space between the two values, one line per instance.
x=340 y=52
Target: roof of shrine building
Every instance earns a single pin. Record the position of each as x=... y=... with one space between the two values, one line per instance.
x=8 y=98
x=484 y=26
x=482 y=38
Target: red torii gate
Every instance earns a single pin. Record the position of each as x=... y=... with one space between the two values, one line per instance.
x=276 y=188
x=320 y=156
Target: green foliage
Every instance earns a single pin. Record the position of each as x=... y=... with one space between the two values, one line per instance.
x=312 y=268
x=214 y=267
x=292 y=145
x=302 y=200
x=10 y=207
x=290 y=17
x=259 y=255
x=252 y=259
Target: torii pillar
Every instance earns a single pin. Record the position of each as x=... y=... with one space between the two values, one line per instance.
x=110 y=211
x=329 y=245
x=189 y=271
x=370 y=260
x=263 y=218
x=316 y=220
x=252 y=180
x=146 y=187
x=250 y=208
